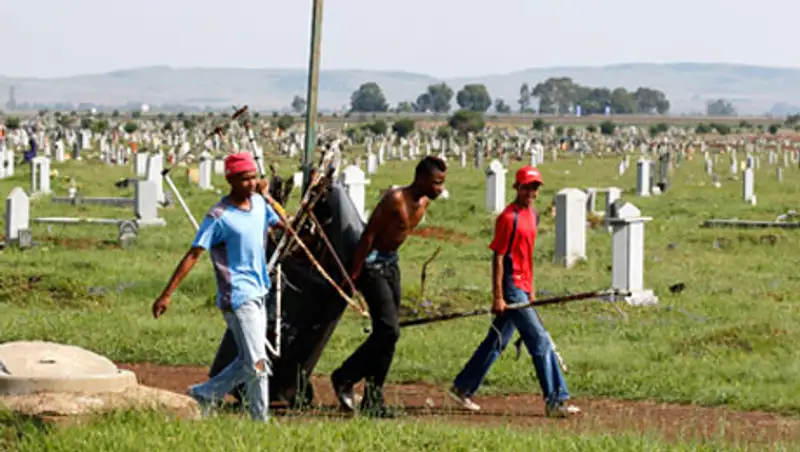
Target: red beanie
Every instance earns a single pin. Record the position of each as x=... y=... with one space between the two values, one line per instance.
x=239 y=163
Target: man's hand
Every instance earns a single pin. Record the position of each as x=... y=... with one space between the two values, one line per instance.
x=262 y=187
x=160 y=305
x=499 y=306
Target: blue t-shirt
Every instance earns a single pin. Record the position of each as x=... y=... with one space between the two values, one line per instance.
x=237 y=241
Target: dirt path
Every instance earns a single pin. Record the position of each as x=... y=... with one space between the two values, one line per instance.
x=429 y=402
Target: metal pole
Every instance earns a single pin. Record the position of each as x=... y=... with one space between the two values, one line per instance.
x=313 y=88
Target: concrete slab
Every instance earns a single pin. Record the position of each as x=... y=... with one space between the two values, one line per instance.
x=37 y=366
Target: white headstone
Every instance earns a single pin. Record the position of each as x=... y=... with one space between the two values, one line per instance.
x=643 y=178
x=748 y=184
x=204 y=172
x=155 y=165
x=356 y=187
x=570 y=227
x=40 y=175
x=146 y=203
x=18 y=213
x=140 y=164
x=372 y=164
x=627 y=269
x=495 y=187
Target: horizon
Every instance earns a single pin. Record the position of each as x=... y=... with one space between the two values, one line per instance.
x=401 y=71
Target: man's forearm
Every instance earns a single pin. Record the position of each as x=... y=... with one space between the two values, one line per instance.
x=362 y=251
x=184 y=267
x=497 y=277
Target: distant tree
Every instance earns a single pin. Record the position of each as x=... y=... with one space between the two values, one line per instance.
x=474 y=97
x=99 y=126
x=13 y=122
x=405 y=107
x=773 y=129
x=436 y=99
x=298 y=104
x=86 y=123
x=136 y=114
x=524 y=98
x=702 y=129
x=607 y=128
x=115 y=114
x=651 y=101
x=720 y=107
x=285 y=122
x=591 y=128
x=378 y=127
x=539 y=124
x=465 y=121
x=722 y=129
x=130 y=127
x=500 y=106
x=403 y=127
x=368 y=98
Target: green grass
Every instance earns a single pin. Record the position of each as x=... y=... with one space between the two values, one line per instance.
x=151 y=431
x=742 y=355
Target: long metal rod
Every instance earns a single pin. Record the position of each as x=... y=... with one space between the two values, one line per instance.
x=313 y=88
x=545 y=302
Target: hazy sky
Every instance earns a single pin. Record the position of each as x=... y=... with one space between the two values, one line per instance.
x=49 y=38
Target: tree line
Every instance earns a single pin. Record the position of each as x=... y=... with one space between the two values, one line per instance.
x=556 y=95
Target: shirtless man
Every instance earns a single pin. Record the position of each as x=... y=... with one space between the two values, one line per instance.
x=377 y=275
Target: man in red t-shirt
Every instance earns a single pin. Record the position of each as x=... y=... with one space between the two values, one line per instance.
x=512 y=285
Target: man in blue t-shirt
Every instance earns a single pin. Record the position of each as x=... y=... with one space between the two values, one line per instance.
x=234 y=232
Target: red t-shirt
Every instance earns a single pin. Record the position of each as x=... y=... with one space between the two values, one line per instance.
x=521 y=250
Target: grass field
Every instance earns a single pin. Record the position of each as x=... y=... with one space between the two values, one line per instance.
x=728 y=339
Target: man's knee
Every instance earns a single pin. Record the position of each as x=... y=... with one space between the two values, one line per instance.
x=261 y=368
x=388 y=334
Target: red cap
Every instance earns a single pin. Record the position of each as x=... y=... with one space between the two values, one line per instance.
x=239 y=163
x=528 y=175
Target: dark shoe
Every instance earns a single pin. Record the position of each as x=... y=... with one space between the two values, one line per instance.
x=344 y=393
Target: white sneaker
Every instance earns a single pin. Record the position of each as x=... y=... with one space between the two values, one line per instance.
x=561 y=410
x=465 y=402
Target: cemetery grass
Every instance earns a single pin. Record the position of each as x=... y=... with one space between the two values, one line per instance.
x=151 y=431
x=728 y=339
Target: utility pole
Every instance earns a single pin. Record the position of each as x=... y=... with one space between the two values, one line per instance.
x=313 y=89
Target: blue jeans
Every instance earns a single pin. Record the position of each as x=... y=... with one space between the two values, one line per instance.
x=248 y=324
x=536 y=339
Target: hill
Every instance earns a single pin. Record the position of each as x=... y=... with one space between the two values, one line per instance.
x=752 y=89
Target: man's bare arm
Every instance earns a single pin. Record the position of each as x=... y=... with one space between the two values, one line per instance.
x=184 y=267
x=379 y=219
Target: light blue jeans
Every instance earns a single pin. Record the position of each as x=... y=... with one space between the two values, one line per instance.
x=536 y=339
x=248 y=324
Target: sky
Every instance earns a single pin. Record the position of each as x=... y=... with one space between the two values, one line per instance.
x=55 y=38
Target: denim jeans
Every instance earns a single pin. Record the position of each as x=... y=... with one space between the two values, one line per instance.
x=248 y=324
x=536 y=339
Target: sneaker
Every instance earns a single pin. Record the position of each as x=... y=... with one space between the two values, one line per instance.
x=206 y=405
x=458 y=396
x=344 y=393
x=561 y=409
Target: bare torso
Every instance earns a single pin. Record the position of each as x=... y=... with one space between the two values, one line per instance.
x=403 y=214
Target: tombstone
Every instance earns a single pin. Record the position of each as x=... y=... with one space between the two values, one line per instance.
x=372 y=164
x=463 y=159
x=709 y=167
x=155 y=165
x=643 y=178
x=204 y=170
x=18 y=214
x=140 y=164
x=748 y=184
x=40 y=175
x=127 y=233
x=2 y=162
x=627 y=269
x=495 y=187
x=355 y=184
x=779 y=174
x=297 y=179
x=9 y=163
x=612 y=195
x=145 y=204
x=219 y=167
x=570 y=227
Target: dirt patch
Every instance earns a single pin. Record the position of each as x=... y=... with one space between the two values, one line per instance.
x=425 y=401
x=444 y=234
